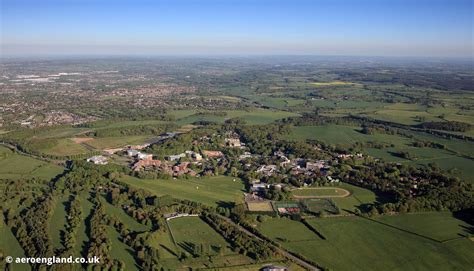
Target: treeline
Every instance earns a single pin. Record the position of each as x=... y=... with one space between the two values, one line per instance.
x=31 y=228
x=245 y=244
x=453 y=126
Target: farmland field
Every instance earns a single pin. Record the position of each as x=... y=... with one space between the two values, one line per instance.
x=441 y=226
x=371 y=246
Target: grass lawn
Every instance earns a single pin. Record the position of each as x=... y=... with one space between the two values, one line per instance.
x=194 y=230
x=207 y=190
x=129 y=222
x=58 y=220
x=354 y=243
x=162 y=241
x=121 y=251
x=358 y=197
x=81 y=237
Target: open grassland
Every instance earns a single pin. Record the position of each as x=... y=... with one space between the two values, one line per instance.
x=208 y=190
x=441 y=226
x=192 y=230
x=64 y=147
x=116 y=142
x=354 y=243
x=16 y=166
x=61 y=132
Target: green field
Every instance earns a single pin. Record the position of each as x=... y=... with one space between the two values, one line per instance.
x=127 y=220
x=208 y=190
x=121 y=251
x=81 y=237
x=193 y=230
x=64 y=147
x=354 y=243
x=9 y=246
x=58 y=220
x=16 y=166
x=116 y=142
x=357 y=199
x=441 y=226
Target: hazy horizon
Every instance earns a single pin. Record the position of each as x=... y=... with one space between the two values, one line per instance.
x=438 y=28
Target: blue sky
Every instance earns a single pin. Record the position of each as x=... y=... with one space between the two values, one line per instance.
x=320 y=27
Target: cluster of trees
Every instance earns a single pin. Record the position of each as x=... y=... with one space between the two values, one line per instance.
x=73 y=221
x=99 y=242
x=410 y=189
x=261 y=139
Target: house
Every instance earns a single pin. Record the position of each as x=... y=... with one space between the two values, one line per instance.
x=196 y=156
x=142 y=164
x=213 y=154
x=315 y=165
x=132 y=152
x=176 y=157
x=267 y=169
x=233 y=142
x=274 y=268
x=98 y=160
x=112 y=151
x=139 y=147
x=257 y=187
x=332 y=180
x=245 y=155
x=144 y=156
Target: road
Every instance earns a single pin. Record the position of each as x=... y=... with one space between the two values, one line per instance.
x=283 y=252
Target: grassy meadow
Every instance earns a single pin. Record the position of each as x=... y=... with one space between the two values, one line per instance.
x=207 y=190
